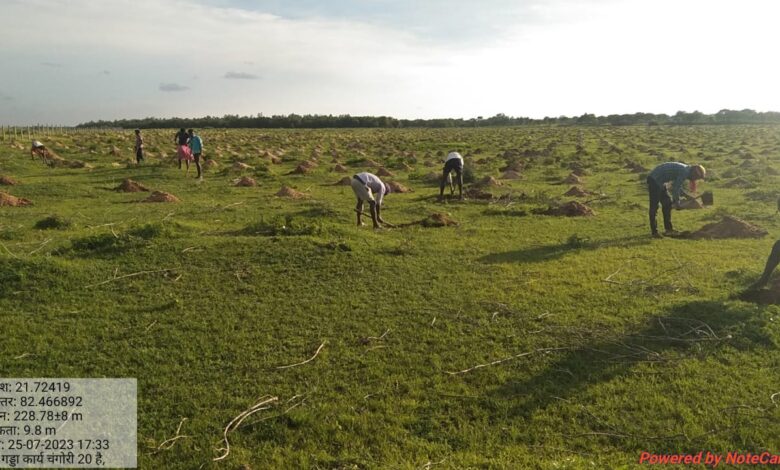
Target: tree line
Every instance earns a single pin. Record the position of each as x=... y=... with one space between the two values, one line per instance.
x=321 y=121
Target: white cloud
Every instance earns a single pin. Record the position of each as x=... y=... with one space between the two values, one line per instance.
x=565 y=57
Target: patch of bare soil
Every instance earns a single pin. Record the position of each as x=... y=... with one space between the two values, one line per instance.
x=210 y=164
x=130 y=186
x=345 y=181
x=635 y=167
x=384 y=172
x=728 y=227
x=572 y=179
x=245 y=182
x=7 y=181
x=488 y=181
x=476 y=193
x=511 y=175
x=13 y=201
x=161 y=196
x=239 y=166
x=768 y=296
x=340 y=168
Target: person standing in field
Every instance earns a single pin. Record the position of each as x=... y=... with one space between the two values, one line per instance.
x=183 y=150
x=453 y=162
x=369 y=188
x=675 y=173
x=139 y=147
x=196 y=147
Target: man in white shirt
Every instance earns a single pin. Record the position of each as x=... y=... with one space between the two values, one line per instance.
x=453 y=162
x=38 y=149
x=369 y=188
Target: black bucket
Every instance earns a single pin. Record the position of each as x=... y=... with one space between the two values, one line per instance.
x=707 y=198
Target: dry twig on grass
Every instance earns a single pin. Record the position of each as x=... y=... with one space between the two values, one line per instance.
x=772 y=397
x=263 y=403
x=500 y=361
x=307 y=360
x=169 y=443
x=116 y=278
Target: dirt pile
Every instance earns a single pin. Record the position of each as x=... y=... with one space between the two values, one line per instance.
x=577 y=191
x=769 y=296
x=477 y=193
x=286 y=191
x=398 y=187
x=239 y=166
x=130 y=186
x=488 y=181
x=345 y=181
x=569 y=209
x=635 y=167
x=210 y=164
x=438 y=219
x=7 y=181
x=245 y=182
x=161 y=196
x=572 y=179
x=301 y=169
x=384 y=172
x=340 y=168
x=729 y=227
x=511 y=175
x=691 y=204
x=739 y=182
x=13 y=201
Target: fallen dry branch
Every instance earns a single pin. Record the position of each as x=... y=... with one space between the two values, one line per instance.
x=116 y=278
x=307 y=360
x=263 y=403
x=500 y=361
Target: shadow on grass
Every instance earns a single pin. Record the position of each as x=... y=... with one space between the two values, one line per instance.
x=691 y=330
x=542 y=253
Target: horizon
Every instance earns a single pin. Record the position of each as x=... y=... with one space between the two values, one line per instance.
x=194 y=58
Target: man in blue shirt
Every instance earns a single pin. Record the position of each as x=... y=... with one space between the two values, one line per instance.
x=196 y=146
x=675 y=173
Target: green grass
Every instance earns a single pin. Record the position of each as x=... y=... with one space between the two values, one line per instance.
x=240 y=282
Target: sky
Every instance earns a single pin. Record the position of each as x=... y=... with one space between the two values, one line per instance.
x=64 y=62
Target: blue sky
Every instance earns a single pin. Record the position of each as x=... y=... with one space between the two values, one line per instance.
x=70 y=61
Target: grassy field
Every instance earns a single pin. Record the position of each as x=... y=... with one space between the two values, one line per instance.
x=612 y=343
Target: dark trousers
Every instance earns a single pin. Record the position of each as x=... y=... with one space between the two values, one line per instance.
x=659 y=195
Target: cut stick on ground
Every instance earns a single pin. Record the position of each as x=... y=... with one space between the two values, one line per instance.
x=307 y=360
x=263 y=403
x=369 y=215
x=500 y=361
x=116 y=278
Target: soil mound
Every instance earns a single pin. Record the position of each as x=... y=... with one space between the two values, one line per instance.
x=476 y=193
x=345 y=181
x=286 y=191
x=511 y=175
x=161 y=196
x=300 y=170
x=130 y=186
x=7 y=181
x=340 y=168
x=739 y=182
x=572 y=179
x=570 y=209
x=488 y=181
x=245 y=181
x=384 y=172
x=13 y=201
x=239 y=166
x=398 y=187
x=691 y=204
x=769 y=296
x=438 y=219
x=210 y=163
x=635 y=167
x=729 y=227
x=577 y=191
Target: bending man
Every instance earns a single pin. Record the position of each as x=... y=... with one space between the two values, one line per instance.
x=453 y=162
x=369 y=188
x=675 y=173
